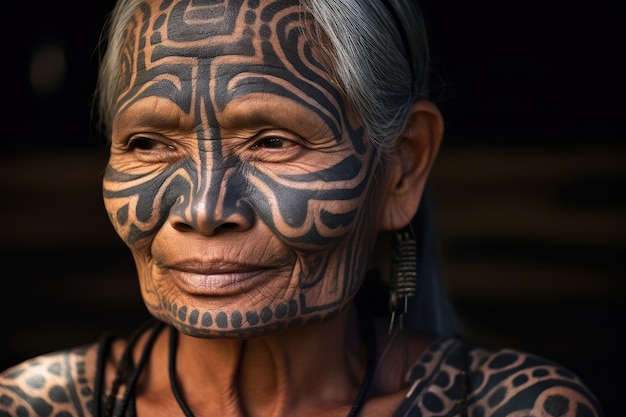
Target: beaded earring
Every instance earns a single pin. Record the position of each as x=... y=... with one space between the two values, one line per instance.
x=403 y=276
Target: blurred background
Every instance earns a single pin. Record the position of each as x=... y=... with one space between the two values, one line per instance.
x=530 y=185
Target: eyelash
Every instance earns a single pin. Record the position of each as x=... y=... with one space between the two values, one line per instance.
x=139 y=143
x=268 y=142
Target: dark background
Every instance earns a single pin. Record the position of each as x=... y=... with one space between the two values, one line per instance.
x=529 y=186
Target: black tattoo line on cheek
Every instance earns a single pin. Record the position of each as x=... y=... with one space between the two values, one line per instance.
x=240 y=195
x=293 y=202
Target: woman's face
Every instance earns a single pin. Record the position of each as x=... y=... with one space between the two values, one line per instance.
x=244 y=189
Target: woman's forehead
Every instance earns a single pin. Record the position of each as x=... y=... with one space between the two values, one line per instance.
x=202 y=56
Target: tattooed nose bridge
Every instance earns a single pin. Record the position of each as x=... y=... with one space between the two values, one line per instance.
x=217 y=207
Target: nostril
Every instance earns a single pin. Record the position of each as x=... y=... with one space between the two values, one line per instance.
x=226 y=226
x=183 y=227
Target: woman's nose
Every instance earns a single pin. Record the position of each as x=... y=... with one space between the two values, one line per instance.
x=217 y=209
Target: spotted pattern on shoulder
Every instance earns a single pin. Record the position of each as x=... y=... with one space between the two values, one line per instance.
x=58 y=384
x=450 y=380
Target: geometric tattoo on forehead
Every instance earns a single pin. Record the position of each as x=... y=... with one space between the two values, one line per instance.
x=283 y=64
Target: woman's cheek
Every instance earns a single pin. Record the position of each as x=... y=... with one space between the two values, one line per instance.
x=138 y=204
x=311 y=209
x=118 y=214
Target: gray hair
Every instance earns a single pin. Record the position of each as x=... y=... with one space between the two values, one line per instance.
x=110 y=69
x=380 y=56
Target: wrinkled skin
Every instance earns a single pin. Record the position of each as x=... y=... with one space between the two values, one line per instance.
x=237 y=178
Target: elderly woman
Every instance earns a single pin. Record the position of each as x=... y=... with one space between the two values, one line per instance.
x=267 y=163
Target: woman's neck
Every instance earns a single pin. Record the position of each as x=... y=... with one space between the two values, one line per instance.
x=321 y=365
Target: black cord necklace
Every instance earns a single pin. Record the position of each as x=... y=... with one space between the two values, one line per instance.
x=370 y=340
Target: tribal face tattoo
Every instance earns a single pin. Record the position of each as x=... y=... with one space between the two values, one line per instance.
x=238 y=179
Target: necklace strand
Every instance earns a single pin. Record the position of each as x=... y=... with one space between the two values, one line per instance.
x=370 y=340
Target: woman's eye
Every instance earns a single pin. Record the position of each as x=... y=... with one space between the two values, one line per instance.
x=146 y=144
x=272 y=142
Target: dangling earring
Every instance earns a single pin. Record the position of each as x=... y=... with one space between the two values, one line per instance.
x=403 y=276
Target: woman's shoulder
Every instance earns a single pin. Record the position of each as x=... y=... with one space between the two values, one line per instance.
x=61 y=383
x=506 y=381
x=455 y=377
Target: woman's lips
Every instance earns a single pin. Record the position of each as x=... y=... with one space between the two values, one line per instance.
x=211 y=279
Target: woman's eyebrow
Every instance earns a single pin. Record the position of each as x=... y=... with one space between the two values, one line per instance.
x=267 y=113
x=143 y=115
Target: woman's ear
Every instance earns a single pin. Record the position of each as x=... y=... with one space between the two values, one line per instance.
x=409 y=168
